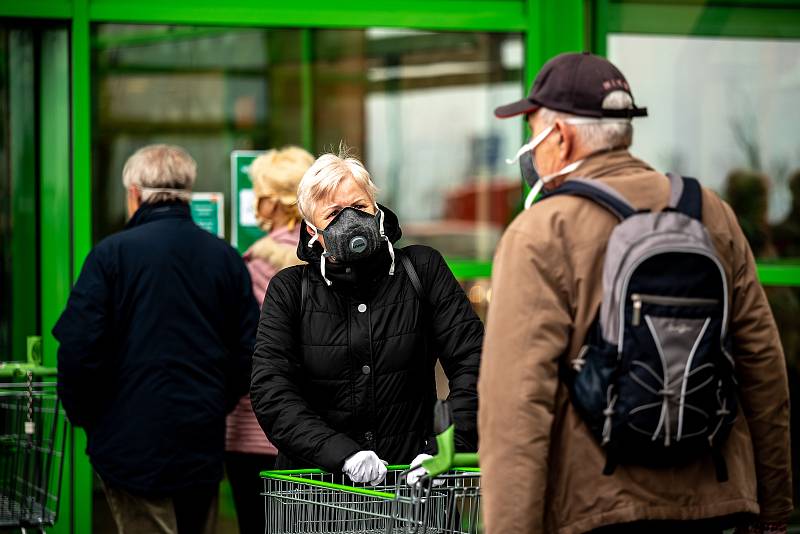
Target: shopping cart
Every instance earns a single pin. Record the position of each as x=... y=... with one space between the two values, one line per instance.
x=446 y=500
x=32 y=437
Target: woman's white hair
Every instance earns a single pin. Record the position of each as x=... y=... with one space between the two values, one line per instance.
x=326 y=174
x=161 y=172
x=600 y=135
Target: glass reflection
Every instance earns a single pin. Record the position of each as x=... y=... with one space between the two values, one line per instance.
x=718 y=105
x=209 y=90
x=416 y=106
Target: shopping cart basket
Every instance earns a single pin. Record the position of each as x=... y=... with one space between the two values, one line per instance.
x=32 y=437
x=446 y=500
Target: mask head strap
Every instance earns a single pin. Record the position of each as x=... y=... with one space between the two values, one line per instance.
x=322 y=269
x=380 y=215
x=185 y=194
x=549 y=178
x=144 y=189
x=311 y=242
x=533 y=143
x=315 y=237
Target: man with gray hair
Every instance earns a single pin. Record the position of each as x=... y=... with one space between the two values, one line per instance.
x=155 y=348
x=538 y=442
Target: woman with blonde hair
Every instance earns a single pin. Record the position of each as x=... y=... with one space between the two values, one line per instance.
x=276 y=176
x=343 y=369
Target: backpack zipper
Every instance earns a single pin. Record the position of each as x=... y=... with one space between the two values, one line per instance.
x=639 y=298
x=654 y=252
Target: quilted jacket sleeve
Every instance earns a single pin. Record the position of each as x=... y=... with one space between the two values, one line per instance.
x=458 y=336
x=282 y=411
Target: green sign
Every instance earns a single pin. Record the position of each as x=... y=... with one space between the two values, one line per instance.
x=208 y=212
x=244 y=227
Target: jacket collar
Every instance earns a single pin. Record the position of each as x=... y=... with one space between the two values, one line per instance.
x=148 y=212
x=363 y=273
x=277 y=248
x=609 y=163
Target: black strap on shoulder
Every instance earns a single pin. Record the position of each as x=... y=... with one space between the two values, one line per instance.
x=611 y=465
x=612 y=201
x=411 y=272
x=303 y=289
x=690 y=202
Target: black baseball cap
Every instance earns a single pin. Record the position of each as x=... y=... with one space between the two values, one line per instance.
x=577 y=84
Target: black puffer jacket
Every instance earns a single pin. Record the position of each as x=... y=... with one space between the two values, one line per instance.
x=352 y=368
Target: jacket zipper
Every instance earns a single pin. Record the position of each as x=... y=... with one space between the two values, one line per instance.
x=639 y=298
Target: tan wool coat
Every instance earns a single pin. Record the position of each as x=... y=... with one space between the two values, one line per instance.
x=541 y=467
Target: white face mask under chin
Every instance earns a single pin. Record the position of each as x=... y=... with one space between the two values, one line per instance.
x=536 y=189
x=536 y=141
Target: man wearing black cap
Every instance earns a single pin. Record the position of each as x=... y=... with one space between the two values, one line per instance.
x=542 y=468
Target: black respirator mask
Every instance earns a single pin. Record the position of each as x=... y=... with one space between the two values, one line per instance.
x=352 y=235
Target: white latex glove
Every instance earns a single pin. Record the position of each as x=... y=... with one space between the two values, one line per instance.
x=415 y=474
x=365 y=466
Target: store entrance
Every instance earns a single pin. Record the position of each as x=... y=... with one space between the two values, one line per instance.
x=34 y=85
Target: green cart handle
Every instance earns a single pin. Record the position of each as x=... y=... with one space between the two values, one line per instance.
x=446 y=458
x=20 y=370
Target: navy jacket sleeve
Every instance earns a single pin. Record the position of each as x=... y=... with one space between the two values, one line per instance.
x=83 y=332
x=276 y=390
x=244 y=316
x=458 y=337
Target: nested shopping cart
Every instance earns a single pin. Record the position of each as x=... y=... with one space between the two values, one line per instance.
x=447 y=500
x=32 y=437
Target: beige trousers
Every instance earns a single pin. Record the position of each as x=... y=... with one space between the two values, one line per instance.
x=190 y=512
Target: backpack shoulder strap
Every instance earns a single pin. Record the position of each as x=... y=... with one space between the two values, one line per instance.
x=412 y=273
x=686 y=196
x=303 y=289
x=598 y=192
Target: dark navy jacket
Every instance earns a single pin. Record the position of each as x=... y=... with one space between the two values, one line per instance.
x=155 y=348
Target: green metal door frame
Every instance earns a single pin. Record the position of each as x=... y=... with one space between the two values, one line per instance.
x=22 y=164
x=549 y=27
x=55 y=245
x=711 y=18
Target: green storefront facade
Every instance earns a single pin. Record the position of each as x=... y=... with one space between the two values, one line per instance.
x=84 y=82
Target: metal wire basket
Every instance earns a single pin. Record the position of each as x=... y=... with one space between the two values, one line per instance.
x=32 y=439
x=313 y=501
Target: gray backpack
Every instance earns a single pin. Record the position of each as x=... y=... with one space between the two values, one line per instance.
x=655 y=380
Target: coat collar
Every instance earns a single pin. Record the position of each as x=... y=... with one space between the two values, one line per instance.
x=148 y=212
x=609 y=163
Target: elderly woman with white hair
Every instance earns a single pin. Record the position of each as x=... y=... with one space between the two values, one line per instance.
x=343 y=370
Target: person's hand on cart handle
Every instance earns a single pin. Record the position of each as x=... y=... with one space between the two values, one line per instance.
x=415 y=474
x=365 y=466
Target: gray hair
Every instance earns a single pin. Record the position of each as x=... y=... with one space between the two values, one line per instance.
x=161 y=172
x=325 y=175
x=600 y=135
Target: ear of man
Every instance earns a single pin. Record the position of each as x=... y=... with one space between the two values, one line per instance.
x=566 y=141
